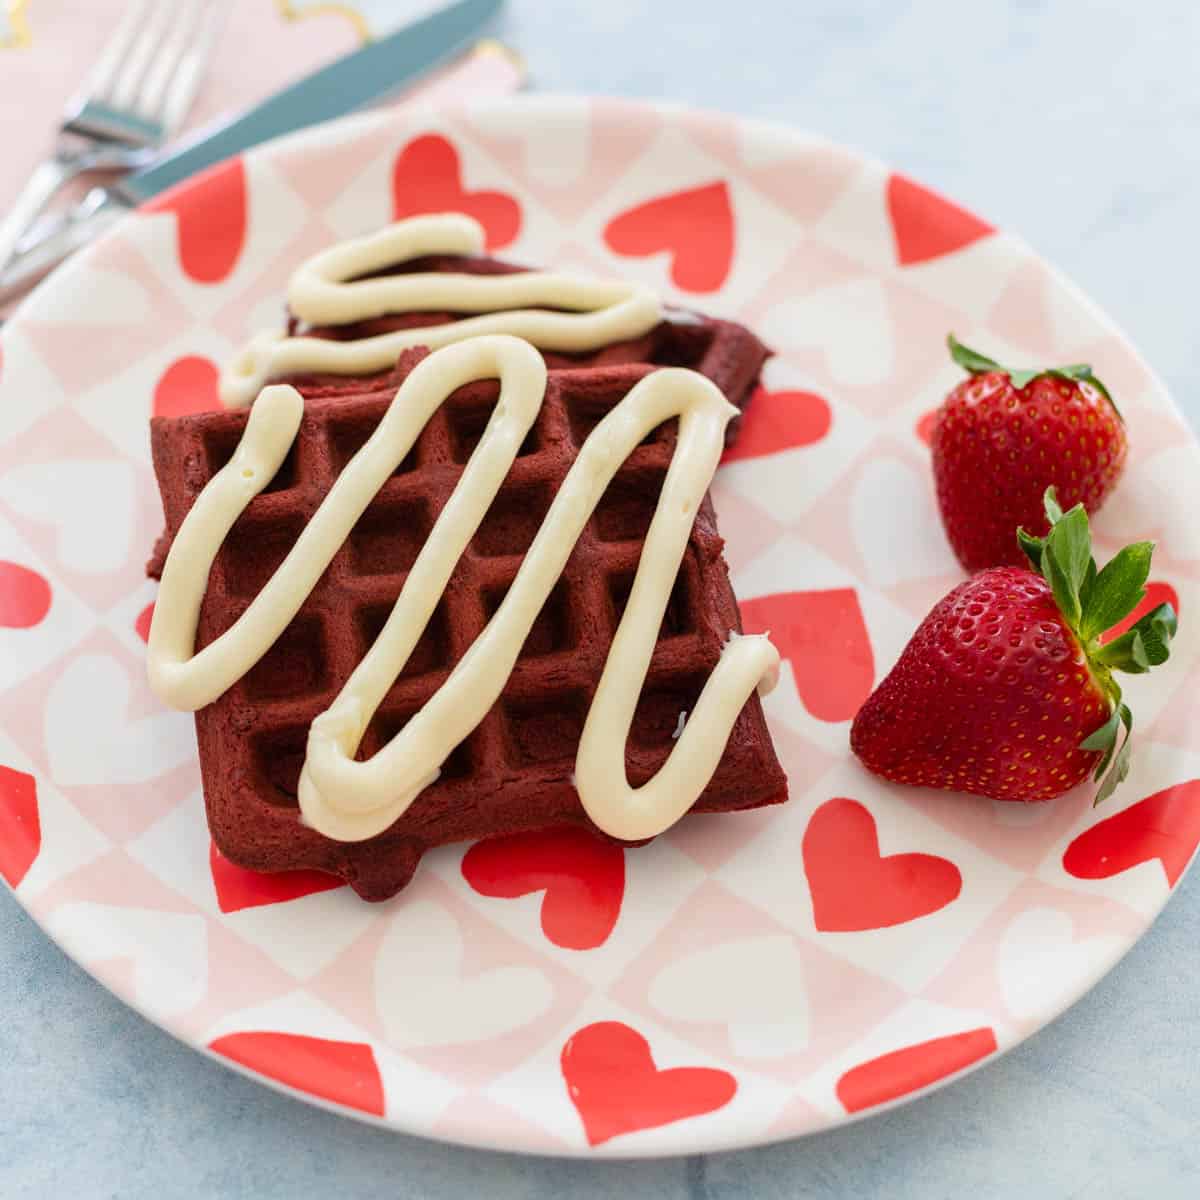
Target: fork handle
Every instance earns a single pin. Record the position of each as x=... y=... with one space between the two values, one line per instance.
x=45 y=181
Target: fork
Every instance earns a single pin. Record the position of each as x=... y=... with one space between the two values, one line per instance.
x=134 y=99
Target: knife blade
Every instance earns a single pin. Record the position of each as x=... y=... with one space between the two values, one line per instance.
x=343 y=86
x=368 y=74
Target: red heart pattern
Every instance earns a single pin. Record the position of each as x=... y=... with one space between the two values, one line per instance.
x=776 y=421
x=341 y=1072
x=926 y=225
x=427 y=178
x=695 y=226
x=854 y=888
x=141 y=626
x=582 y=875
x=823 y=635
x=902 y=1071
x=25 y=596
x=188 y=385
x=20 y=826
x=616 y=1088
x=212 y=212
x=924 y=426
x=238 y=888
x=1157 y=592
x=1165 y=826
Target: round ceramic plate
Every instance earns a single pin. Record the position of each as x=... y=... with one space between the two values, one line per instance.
x=745 y=977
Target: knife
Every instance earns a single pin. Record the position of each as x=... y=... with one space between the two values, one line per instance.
x=351 y=82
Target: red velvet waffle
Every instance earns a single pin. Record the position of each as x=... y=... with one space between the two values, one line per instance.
x=513 y=772
x=727 y=353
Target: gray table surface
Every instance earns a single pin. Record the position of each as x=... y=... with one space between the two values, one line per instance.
x=1073 y=122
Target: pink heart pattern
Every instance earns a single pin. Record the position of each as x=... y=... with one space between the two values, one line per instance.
x=25 y=596
x=582 y=876
x=238 y=888
x=694 y=226
x=824 y=637
x=910 y=1068
x=781 y=420
x=20 y=826
x=343 y=1073
x=427 y=178
x=855 y=888
x=616 y=1087
x=926 y=225
x=211 y=213
x=188 y=385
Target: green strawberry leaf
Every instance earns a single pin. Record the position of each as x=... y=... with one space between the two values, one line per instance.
x=979 y=364
x=1116 y=765
x=1157 y=628
x=1087 y=590
x=1050 y=502
x=1066 y=557
x=1147 y=644
x=1066 y=595
x=1070 y=542
x=1121 y=655
x=971 y=360
x=1116 y=591
x=1092 y=601
x=1033 y=547
x=1104 y=739
x=1022 y=379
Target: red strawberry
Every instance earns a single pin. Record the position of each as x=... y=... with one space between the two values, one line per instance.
x=1002 y=437
x=1005 y=689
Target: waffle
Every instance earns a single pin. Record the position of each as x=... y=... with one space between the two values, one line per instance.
x=727 y=353
x=513 y=773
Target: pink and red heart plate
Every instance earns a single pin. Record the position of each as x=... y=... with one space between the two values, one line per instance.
x=744 y=978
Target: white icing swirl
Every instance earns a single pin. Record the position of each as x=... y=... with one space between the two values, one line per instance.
x=520 y=304
x=349 y=800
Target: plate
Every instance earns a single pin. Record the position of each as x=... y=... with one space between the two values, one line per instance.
x=746 y=977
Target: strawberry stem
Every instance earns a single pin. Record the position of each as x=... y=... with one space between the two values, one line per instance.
x=1093 y=601
x=979 y=364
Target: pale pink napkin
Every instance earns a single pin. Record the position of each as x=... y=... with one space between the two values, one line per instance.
x=260 y=50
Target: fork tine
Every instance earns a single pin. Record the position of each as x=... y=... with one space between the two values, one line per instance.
x=99 y=80
x=185 y=80
x=148 y=102
x=137 y=62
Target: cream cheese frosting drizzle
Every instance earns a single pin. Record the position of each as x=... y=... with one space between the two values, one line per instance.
x=350 y=800
x=326 y=290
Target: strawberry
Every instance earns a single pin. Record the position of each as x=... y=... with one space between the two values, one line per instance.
x=1002 y=437
x=1005 y=689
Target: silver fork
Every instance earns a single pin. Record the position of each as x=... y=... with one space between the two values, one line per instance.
x=135 y=98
